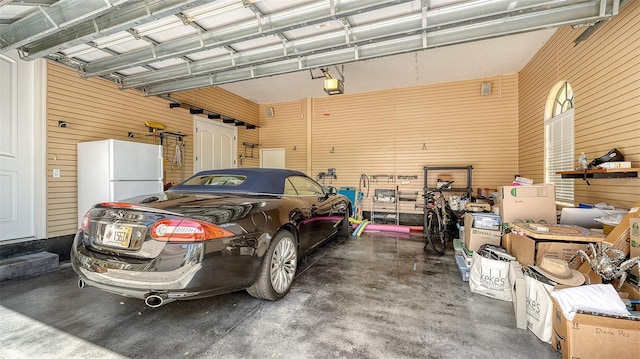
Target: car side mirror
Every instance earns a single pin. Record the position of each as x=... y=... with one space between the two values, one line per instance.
x=326 y=192
x=330 y=190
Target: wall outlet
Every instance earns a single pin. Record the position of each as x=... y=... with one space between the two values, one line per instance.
x=56 y=173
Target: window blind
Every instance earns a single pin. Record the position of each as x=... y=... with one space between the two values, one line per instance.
x=559 y=155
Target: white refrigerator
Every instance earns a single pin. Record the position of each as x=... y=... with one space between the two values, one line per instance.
x=112 y=170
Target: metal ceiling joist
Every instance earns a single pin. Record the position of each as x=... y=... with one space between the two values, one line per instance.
x=400 y=41
x=289 y=19
x=366 y=29
x=121 y=18
x=51 y=19
x=362 y=35
x=31 y=2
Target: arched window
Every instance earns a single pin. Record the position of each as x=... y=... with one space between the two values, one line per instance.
x=558 y=138
x=564 y=99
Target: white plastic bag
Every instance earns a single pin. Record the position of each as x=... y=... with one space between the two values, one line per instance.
x=490 y=277
x=539 y=308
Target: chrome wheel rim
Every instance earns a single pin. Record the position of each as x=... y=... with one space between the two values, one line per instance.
x=283 y=265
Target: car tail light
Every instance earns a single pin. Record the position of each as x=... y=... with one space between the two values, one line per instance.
x=186 y=230
x=86 y=220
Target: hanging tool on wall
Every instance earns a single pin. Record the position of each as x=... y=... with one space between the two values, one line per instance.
x=178 y=155
x=331 y=174
x=154 y=128
x=363 y=182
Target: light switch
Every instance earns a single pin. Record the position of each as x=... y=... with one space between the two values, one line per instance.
x=56 y=173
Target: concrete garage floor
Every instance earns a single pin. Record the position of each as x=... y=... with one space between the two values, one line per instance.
x=378 y=296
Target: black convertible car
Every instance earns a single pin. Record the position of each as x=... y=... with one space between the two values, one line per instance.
x=217 y=232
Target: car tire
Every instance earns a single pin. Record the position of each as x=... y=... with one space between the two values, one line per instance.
x=345 y=230
x=278 y=268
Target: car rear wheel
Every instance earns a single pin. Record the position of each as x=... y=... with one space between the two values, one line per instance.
x=278 y=268
x=345 y=231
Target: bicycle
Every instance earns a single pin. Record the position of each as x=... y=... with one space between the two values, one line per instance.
x=439 y=220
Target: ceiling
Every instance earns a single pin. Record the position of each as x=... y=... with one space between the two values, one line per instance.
x=281 y=50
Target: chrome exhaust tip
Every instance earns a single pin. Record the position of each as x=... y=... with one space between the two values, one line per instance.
x=155 y=300
x=81 y=283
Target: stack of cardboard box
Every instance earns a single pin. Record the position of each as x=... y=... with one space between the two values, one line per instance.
x=481 y=228
x=530 y=217
x=588 y=335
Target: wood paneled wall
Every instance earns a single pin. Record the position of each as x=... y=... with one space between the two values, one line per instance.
x=95 y=109
x=397 y=132
x=286 y=128
x=604 y=71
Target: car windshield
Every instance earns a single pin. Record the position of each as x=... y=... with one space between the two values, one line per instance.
x=216 y=180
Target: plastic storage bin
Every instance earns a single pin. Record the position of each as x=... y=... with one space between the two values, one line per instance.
x=458 y=245
x=486 y=221
x=463 y=269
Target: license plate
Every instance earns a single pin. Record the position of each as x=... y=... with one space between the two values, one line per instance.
x=117 y=236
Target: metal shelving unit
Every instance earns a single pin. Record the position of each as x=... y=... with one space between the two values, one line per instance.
x=387 y=210
x=468 y=189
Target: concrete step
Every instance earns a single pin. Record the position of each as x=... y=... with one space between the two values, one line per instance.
x=27 y=265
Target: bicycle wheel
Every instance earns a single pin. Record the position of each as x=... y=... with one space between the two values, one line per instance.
x=435 y=232
x=426 y=228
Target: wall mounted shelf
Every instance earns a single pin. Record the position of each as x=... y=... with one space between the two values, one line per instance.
x=601 y=173
x=212 y=115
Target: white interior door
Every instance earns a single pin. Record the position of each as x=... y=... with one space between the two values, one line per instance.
x=215 y=145
x=272 y=158
x=17 y=148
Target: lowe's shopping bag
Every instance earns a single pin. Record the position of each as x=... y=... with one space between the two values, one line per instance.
x=490 y=277
x=539 y=308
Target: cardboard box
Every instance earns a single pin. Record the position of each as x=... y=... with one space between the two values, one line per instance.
x=634 y=243
x=631 y=291
x=619 y=238
x=594 y=336
x=560 y=241
x=529 y=251
x=475 y=237
x=519 y=294
x=533 y=203
x=628 y=291
x=507 y=240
